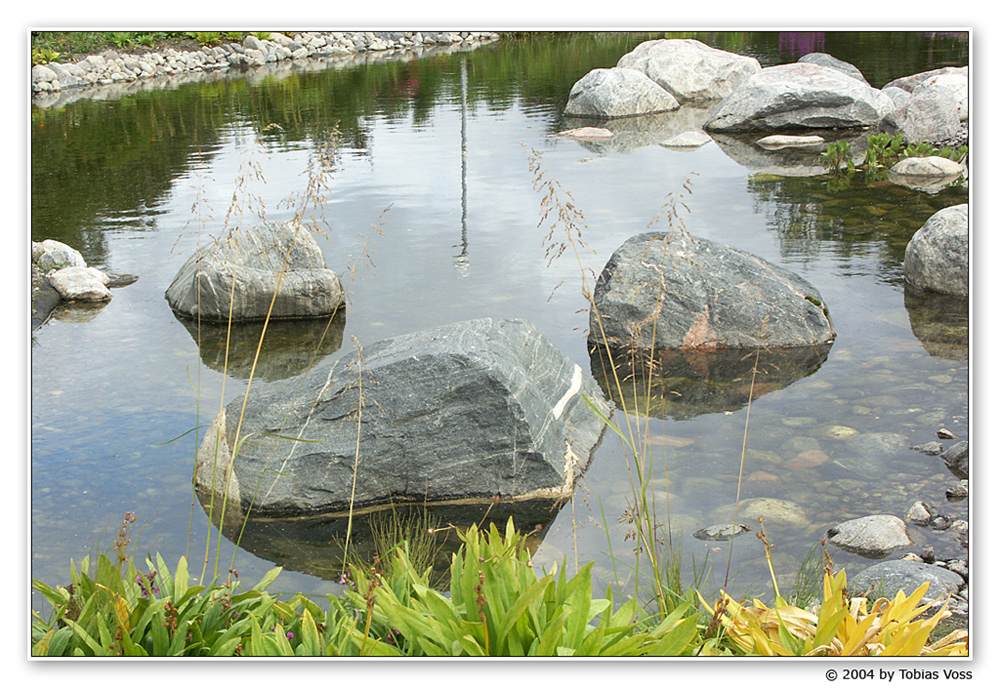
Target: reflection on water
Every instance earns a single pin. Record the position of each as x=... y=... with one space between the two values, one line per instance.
x=290 y=347
x=685 y=384
x=787 y=162
x=442 y=141
x=940 y=322
x=316 y=544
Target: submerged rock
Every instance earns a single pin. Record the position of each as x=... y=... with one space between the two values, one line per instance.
x=475 y=410
x=247 y=270
x=722 y=532
x=889 y=576
x=675 y=291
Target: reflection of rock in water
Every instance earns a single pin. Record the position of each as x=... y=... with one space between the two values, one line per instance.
x=315 y=545
x=631 y=133
x=786 y=162
x=291 y=347
x=686 y=384
x=78 y=311
x=940 y=322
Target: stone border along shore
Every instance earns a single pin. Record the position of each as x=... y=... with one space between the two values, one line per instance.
x=111 y=74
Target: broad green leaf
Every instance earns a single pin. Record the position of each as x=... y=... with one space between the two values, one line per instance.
x=522 y=603
x=677 y=639
x=310 y=635
x=267 y=579
x=180 y=581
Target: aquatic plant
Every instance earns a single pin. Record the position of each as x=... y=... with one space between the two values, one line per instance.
x=883 y=150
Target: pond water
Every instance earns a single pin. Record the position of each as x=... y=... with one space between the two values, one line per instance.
x=430 y=197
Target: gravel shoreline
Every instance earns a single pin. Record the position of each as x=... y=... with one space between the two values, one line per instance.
x=111 y=74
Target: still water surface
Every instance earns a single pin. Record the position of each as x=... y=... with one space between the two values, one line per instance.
x=432 y=171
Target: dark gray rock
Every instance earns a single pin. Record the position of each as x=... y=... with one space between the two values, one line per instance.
x=888 y=577
x=676 y=291
x=937 y=257
x=472 y=410
x=800 y=96
x=929 y=448
x=722 y=532
x=956 y=458
x=827 y=60
x=617 y=93
x=689 y=69
x=256 y=258
x=871 y=536
x=958 y=492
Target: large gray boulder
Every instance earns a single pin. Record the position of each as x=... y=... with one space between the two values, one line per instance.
x=937 y=257
x=935 y=111
x=256 y=259
x=671 y=290
x=800 y=96
x=473 y=410
x=871 y=536
x=617 y=93
x=690 y=70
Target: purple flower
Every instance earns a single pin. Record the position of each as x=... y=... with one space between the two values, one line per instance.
x=290 y=635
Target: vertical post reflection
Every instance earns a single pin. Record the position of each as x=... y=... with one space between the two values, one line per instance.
x=462 y=259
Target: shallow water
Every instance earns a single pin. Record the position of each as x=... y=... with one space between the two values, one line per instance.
x=432 y=171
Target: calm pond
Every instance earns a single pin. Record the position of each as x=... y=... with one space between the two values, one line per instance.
x=432 y=172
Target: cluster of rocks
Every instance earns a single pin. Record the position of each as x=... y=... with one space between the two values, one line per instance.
x=880 y=535
x=112 y=67
x=731 y=95
x=60 y=273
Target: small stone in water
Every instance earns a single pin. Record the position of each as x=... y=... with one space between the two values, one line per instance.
x=721 y=532
x=946 y=434
x=957 y=493
x=929 y=448
x=839 y=432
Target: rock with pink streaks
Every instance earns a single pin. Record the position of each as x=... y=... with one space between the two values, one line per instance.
x=672 y=290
